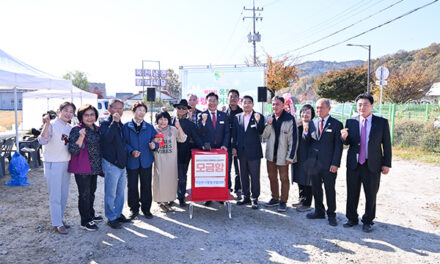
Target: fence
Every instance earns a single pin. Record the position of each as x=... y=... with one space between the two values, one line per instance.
x=392 y=112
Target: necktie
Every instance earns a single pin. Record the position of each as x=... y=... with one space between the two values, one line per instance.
x=321 y=126
x=214 y=121
x=363 y=149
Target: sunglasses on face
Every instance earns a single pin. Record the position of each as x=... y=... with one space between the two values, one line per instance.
x=181 y=108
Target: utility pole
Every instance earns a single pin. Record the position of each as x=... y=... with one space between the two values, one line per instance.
x=254 y=36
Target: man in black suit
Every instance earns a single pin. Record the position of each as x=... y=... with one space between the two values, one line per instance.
x=232 y=110
x=368 y=156
x=184 y=149
x=246 y=144
x=324 y=159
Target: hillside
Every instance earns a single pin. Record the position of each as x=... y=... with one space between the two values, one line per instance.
x=320 y=67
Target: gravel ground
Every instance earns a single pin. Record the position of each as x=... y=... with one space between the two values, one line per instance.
x=407 y=228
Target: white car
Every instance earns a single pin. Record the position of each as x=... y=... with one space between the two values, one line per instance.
x=103 y=109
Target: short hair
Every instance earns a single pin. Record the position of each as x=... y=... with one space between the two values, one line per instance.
x=162 y=114
x=212 y=94
x=365 y=96
x=85 y=108
x=114 y=101
x=326 y=101
x=248 y=97
x=66 y=104
x=190 y=95
x=307 y=107
x=139 y=104
x=277 y=97
x=234 y=91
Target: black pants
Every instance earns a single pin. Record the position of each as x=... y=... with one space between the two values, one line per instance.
x=182 y=170
x=86 y=196
x=133 y=177
x=250 y=169
x=237 y=183
x=370 y=181
x=328 y=178
x=305 y=194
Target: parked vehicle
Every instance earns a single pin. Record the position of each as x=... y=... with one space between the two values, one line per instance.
x=103 y=109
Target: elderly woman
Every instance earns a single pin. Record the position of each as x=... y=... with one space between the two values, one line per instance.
x=53 y=137
x=138 y=136
x=85 y=163
x=165 y=161
x=300 y=173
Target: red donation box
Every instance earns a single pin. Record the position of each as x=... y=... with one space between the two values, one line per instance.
x=209 y=176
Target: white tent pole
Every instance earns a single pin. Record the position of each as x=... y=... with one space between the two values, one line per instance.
x=16 y=121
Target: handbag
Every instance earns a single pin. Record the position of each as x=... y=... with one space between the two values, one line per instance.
x=80 y=163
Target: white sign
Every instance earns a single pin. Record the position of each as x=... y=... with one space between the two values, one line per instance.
x=210 y=170
x=382 y=73
x=378 y=82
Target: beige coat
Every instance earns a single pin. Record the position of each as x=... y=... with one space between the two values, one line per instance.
x=165 y=168
x=284 y=143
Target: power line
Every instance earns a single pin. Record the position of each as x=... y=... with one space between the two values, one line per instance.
x=363 y=33
x=347 y=27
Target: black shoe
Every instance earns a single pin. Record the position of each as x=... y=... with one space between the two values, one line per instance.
x=238 y=195
x=272 y=203
x=134 y=215
x=221 y=202
x=332 y=221
x=244 y=201
x=148 y=215
x=115 y=224
x=90 y=226
x=182 y=202
x=171 y=203
x=207 y=203
x=97 y=218
x=255 y=204
x=315 y=216
x=123 y=219
x=282 y=207
x=350 y=223
x=367 y=228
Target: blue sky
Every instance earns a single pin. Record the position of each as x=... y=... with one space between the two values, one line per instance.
x=108 y=39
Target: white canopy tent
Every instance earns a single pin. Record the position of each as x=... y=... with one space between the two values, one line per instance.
x=36 y=103
x=17 y=74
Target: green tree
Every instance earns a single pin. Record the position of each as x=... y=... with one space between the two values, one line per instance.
x=79 y=79
x=174 y=87
x=342 y=85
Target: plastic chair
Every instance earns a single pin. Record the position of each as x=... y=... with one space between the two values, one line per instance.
x=31 y=149
x=5 y=153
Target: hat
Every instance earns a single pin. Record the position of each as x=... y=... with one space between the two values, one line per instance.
x=183 y=103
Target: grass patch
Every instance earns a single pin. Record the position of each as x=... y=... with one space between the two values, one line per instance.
x=413 y=153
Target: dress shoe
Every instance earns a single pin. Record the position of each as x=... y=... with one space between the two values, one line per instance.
x=367 y=228
x=332 y=221
x=315 y=216
x=350 y=223
x=115 y=224
x=148 y=215
x=254 y=204
x=61 y=230
x=123 y=219
x=207 y=203
x=182 y=202
x=303 y=208
x=244 y=201
x=134 y=215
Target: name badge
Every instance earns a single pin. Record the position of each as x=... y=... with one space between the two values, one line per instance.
x=221 y=122
x=254 y=125
x=328 y=130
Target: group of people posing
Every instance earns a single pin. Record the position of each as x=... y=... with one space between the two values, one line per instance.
x=125 y=153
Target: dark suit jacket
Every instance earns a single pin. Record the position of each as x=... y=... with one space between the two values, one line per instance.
x=325 y=150
x=248 y=142
x=191 y=131
x=379 y=143
x=300 y=169
x=216 y=137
